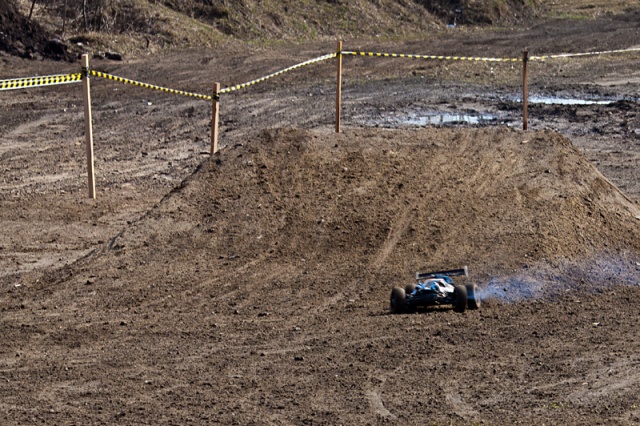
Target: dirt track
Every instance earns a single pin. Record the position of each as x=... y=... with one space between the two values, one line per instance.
x=255 y=291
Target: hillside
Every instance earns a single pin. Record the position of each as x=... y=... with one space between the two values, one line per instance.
x=141 y=26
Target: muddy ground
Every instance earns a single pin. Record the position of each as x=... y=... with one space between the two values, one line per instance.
x=252 y=287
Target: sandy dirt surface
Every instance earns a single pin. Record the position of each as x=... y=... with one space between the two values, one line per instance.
x=252 y=287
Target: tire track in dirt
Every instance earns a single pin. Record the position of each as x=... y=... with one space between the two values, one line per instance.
x=398 y=229
x=377 y=404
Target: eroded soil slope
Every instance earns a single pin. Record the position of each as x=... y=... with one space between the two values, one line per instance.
x=256 y=292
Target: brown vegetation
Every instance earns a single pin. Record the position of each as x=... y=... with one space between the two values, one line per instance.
x=142 y=25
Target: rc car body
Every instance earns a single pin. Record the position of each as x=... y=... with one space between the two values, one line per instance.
x=436 y=288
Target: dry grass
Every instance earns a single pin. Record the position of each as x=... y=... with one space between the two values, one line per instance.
x=140 y=27
x=587 y=9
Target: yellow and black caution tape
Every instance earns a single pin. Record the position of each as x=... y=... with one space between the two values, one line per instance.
x=260 y=80
x=438 y=57
x=225 y=90
x=148 y=86
x=571 y=55
x=49 y=80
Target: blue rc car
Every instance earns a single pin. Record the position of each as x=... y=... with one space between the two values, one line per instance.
x=435 y=288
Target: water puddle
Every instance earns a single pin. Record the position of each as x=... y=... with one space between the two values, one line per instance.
x=444 y=118
x=433 y=118
x=561 y=100
x=554 y=100
x=472 y=117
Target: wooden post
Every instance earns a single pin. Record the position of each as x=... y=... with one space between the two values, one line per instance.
x=339 y=86
x=525 y=90
x=215 y=116
x=88 y=128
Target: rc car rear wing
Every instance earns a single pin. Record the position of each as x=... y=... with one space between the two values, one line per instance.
x=451 y=273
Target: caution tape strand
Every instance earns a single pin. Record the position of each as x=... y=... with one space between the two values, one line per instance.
x=148 y=86
x=48 y=80
x=437 y=57
x=277 y=73
x=570 y=55
x=225 y=90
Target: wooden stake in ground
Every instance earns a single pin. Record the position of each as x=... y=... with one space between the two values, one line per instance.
x=525 y=90
x=215 y=116
x=88 y=128
x=339 y=86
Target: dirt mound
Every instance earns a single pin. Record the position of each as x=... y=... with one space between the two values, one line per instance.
x=380 y=205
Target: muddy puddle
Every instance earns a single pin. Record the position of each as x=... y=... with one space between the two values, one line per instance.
x=432 y=118
x=561 y=100
x=479 y=112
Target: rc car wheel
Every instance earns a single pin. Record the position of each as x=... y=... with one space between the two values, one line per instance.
x=398 y=299
x=408 y=289
x=473 y=301
x=459 y=298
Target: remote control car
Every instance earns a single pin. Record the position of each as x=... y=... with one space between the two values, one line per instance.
x=435 y=288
